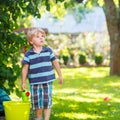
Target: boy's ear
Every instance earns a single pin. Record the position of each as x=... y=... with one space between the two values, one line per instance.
x=30 y=42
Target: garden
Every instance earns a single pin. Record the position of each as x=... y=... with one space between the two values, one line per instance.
x=89 y=93
x=89 y=60
x=86 y=94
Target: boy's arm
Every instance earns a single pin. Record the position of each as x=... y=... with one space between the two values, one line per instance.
x=24 y=75
x=57 y=68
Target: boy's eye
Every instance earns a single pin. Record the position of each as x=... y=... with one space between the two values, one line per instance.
x=42 y=36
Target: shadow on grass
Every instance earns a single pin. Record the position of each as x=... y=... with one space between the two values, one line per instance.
x=81 y=97
x=75 y=110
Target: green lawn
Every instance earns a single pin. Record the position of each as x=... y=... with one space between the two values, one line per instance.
x=81 y=97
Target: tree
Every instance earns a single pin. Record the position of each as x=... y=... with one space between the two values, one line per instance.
x=112 y=12
x=113 y=23
x=11 y=43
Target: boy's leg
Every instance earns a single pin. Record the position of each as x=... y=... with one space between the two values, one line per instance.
x=38 y=119
x=47 y=114
x=38 y=114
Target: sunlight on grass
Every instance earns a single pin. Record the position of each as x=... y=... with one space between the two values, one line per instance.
x=87 y=72
x=69 y=93
x=78 y=116
x=66 y=91
x=114 y=84
x=92 y=72
x=116 y=100
x=82 y=96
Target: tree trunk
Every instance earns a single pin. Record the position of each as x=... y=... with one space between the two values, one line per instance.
x=112 y=18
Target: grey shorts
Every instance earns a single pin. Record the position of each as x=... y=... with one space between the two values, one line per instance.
x=41 y=95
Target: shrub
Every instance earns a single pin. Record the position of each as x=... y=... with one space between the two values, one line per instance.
x=98 y=59
x=65 y=59
x=82 y=59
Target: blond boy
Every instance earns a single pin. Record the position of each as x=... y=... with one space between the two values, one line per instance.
x=38 y=66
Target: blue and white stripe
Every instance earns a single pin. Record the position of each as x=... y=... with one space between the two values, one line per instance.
x=41 y=74
x=39 y=55
x=40 y=66
x=43 y=64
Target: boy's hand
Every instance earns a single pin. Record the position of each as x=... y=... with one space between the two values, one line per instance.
x=23 y=86
x=60 y=80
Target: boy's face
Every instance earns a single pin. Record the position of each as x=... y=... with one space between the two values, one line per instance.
x=37 y=39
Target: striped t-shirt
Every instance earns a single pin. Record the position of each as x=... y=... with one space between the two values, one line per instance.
x=40 y=66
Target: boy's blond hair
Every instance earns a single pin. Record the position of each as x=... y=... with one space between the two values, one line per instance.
x=32 y=31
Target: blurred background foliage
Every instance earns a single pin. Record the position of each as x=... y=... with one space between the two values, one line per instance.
x=15 y=14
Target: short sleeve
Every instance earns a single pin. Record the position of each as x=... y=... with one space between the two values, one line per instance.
x=26 y=60
x=52 y=55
